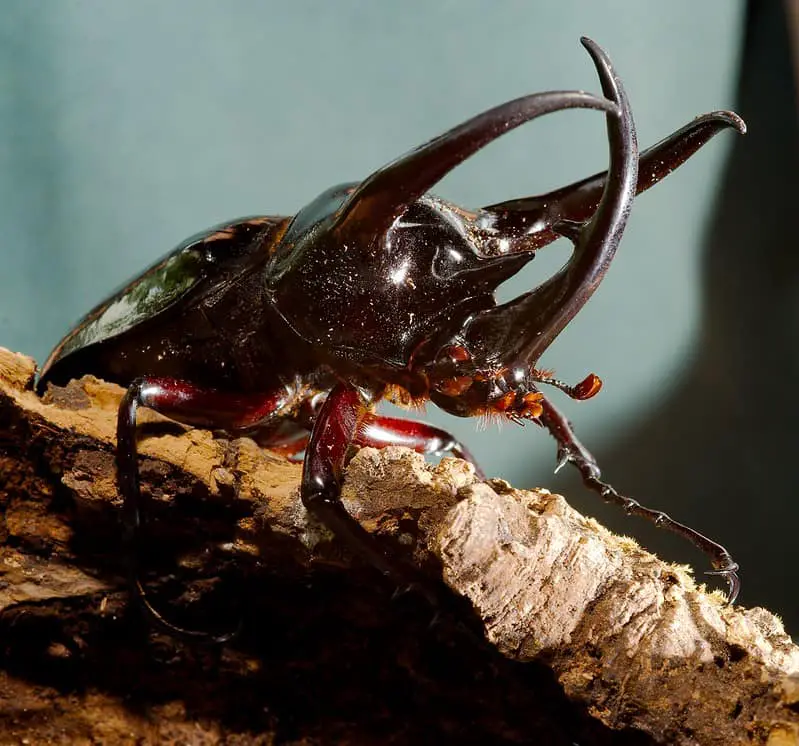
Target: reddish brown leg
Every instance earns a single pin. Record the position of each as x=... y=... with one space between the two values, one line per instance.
x=191 y=405
x=289 y=442
x=571 y=450
x=380 y=432
x=334 y=431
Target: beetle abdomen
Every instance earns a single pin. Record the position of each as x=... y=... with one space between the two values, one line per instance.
x=104 y=341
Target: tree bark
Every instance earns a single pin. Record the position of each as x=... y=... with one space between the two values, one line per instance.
x=547 y=628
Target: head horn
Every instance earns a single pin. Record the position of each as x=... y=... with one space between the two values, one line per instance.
x=520 y=331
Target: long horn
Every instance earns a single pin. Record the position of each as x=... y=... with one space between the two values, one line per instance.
x=523 y=328
x=578 y=201
x=388 y=192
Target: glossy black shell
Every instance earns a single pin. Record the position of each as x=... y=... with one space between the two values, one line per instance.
x=166 y=321
x=374 y=304
x=262 y=302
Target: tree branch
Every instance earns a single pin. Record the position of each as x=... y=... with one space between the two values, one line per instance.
x=617 y=646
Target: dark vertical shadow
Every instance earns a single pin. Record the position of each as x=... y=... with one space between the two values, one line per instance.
x=719 y=451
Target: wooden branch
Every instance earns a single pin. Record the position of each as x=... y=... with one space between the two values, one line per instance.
x=617 y=646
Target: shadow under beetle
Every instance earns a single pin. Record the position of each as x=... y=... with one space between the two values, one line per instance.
x=297 y=327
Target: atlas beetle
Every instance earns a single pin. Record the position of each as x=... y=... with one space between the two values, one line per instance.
x=297 y=327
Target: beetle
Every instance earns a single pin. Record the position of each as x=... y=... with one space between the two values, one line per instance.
x=296 y=327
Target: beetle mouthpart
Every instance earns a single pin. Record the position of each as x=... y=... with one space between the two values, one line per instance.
x=382 y=197
x=518 y=405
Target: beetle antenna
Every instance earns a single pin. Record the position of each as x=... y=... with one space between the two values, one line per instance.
x=588 y=387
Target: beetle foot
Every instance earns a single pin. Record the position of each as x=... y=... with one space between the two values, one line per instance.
x=195 y=635
x=723 y=564
x=571 y=450
x=730 y=573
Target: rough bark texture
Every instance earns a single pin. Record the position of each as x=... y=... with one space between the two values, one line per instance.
x=591 y=639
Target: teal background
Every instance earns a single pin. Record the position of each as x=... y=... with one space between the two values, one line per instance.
x=128 y=126
x=125 y=127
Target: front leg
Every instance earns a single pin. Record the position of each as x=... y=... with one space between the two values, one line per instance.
x=333 y=432
x=571 y=450
x=191 y=405
x=337 y=427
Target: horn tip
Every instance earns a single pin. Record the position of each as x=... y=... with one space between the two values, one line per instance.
x=592 y=47
x=731 y=119
x=719 y=120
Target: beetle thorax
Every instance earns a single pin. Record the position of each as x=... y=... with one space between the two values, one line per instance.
x=377 y=302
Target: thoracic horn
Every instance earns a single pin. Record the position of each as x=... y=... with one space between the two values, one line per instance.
x=577 y=202
x=387 y=193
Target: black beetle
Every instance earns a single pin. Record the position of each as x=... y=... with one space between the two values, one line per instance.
x=377 y=290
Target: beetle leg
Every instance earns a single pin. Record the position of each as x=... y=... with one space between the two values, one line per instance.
x=336 y=429
x=333 y=433
x=288 y=446
x=192 y=405
x=379 y=432
x=536 y=218
x=286 y=438
x=571 y=450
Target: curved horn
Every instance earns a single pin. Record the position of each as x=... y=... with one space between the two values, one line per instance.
x=387 y=193
x=523 y=328
x=578 y=201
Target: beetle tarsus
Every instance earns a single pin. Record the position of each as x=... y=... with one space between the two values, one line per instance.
x=203 y=636
x=729 y=571
x=571 y=450
x=719 y=556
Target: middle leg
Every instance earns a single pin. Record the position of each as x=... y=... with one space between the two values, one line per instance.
x=379 y=431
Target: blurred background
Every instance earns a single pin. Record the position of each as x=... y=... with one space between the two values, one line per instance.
x=126 y=127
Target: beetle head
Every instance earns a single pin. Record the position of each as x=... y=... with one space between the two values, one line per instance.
x=374 y=271
x=490 y=364
x=401 y=283
x=418 y=279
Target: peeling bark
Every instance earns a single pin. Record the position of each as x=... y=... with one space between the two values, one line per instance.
x=590 y=638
